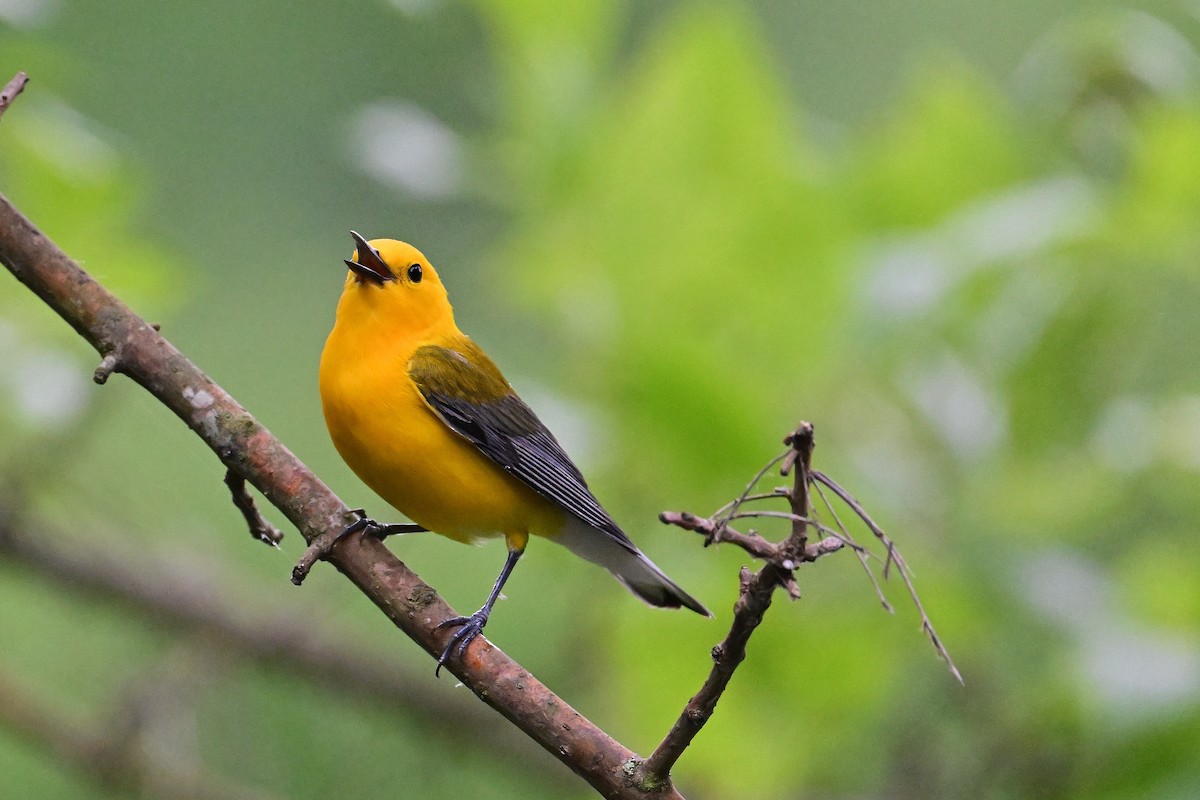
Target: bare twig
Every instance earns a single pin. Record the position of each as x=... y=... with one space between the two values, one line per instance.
x=756 y=590
x=801 y=441
x=810 y=521
x=732 y=507
x=754 y=598
x=713 y=533
x=11 y=89
x=754 y=544
x=893 y=557
x=862 y=553
x=260 y=528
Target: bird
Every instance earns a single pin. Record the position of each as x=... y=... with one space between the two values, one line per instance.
x=427 y=421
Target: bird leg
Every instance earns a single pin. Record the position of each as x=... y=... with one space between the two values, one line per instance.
x=472 y=626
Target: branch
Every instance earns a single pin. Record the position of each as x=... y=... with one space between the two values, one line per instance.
x=754 y=598
x=108 y=758
x=715 y=533
x=757 y=590
x=131 y=346
x=752 y=543
x=290 y=643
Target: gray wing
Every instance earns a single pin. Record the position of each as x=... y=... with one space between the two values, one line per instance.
x=505 y=430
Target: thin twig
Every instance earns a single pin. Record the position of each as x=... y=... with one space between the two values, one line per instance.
x=745 y=495
x=756 y=590
x=11 y=89
x=823 y=528
x=754 y=598
x=260 y=528
x=713 y=533
x=777 y=492
x=860 y=551
x=894 y=557
x=802 y=442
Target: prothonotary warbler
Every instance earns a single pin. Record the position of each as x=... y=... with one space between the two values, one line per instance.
x=424 y=418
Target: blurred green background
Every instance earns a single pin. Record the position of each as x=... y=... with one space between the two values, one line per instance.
x=962 y=239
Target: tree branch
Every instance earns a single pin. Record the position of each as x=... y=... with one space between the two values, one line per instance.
x=108 y=758
x=287 y=642
x=131 y=346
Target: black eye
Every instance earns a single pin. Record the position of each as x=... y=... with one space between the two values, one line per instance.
x=414 y=273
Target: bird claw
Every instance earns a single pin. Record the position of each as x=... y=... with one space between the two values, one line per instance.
x=365 y=526
x=471 y=627
x=361 y=525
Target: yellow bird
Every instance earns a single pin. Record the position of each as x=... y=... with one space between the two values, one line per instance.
x=424 y=418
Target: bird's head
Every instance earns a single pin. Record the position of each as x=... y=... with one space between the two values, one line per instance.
x=393 y=283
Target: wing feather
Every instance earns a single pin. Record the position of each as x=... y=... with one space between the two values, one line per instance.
x=470 y=395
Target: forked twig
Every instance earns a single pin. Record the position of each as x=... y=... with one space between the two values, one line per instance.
x=782 y=558
x=754 y=596
x=732 y=506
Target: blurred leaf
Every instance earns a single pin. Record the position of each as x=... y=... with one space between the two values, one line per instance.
x=951 y=140
x=662 y=253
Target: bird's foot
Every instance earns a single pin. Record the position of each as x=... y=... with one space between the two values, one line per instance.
x=366 y=526
x=468 y=629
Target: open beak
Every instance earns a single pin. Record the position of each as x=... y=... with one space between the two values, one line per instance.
x=368 y=265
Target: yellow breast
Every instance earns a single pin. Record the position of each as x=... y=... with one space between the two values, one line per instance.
x=398 y=446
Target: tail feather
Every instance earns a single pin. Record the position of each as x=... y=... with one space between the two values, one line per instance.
x=637 y=573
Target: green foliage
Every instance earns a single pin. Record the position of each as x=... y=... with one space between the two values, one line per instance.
x=60 y=170
x=713 y=267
